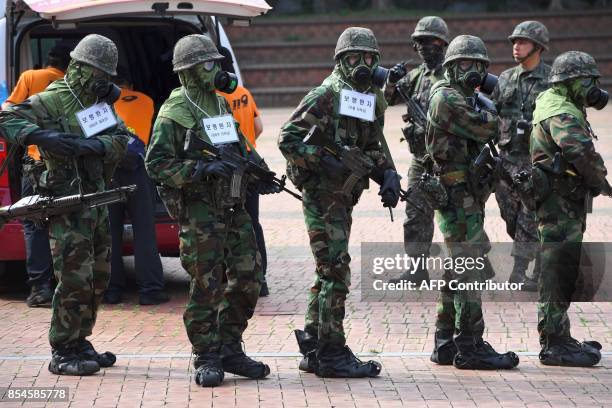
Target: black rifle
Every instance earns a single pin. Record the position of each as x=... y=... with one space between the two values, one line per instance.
x=414 y=114
x=36 y=208
x=357 y=163
x=243 y=165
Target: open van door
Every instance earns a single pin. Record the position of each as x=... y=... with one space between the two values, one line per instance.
x=70 y=10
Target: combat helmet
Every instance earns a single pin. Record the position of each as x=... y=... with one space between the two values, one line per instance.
x=356 y=39
x=431 y=26
x=466 y=47
x=193 y=49
x=573 y=64
x=97 y=51
x=532 y=31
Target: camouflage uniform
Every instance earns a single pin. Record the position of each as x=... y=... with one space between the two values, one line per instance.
x=514 y=97
x=419 y=223
x=457 y=130
x=560 y=126
x=80 y=241
x=217 y=243
x=327 y=211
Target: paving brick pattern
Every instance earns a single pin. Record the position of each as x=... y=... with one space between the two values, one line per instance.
x=154 y=353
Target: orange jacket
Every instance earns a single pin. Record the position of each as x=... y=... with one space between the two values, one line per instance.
x=244 y=110
x=136 y=110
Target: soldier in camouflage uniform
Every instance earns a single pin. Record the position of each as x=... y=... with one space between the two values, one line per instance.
x=430 y=38
x=80 y=241
x=560 y=128
x=459 y=125
x=217 y=243
x=514 y=97
x=327 y=210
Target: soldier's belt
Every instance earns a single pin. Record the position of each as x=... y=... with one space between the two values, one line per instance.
x=453 y=177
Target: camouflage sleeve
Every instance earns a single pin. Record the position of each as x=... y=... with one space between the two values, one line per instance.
x=162 y=162
x=450 y=111
x=14 y=127
x=373 y=148
x=577 y=148
x=115 y=144
x=315 y=109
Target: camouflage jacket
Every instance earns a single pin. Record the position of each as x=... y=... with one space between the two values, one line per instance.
x=514 y=97
x=561 y=126
x=55 y=108
x=456 y=131
x=166 y=161
x=321 y=107
x=417 y=83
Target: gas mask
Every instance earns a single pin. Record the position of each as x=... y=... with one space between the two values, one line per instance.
x=432 y=54
x=105 y=91
x=469 y=73
x=362 y=69
x=91 y=83
x=587 y=92
x=209 y=77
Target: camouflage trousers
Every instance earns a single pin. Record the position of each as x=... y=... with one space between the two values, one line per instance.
x=80 y=246
x=460 y=311
x=419 y=223
x=521 y=223
x=218 y=250
x=328 y=221
x=561 y=244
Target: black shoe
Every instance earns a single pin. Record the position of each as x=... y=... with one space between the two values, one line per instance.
x=308 y=347
x=444 y=348
x=112 y=297
x=418 y=277
x=339 y=362
x=86 y=351
x=155 y=298
x=482 y=356
x=529 y=285
x=209 y=372
x=234 y=361
x=40 y=295
x=569 y=352
x=68 y=362
x=264 y=291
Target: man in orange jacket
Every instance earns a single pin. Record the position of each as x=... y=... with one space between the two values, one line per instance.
x=136 y=110
x=38 y=253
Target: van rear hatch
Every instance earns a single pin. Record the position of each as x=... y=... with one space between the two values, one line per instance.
x=70 y=10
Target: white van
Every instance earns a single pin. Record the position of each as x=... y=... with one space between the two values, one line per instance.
x=145 y=32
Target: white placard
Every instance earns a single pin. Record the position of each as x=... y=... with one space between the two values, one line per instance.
x=96 y=119
x=220 y=129
x=357 y=105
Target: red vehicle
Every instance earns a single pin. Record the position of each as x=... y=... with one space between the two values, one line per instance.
x=145 y=33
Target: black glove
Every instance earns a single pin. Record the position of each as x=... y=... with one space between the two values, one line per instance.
x=332 y=167
x=89 y=147
x=62 y=144
x=266 y=187
x=397 y=72
x=216 y=168
x=390 y=188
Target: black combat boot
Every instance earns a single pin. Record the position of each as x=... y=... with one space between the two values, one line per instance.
x=519 y=275
x=567 y=351
x=481 y=356
x=67 y=361
x=444 y=348
x=308 y=347
x=264 y=291
x=419 y=276
x=86 y=351
x=40 y=295
x=335 y=361
x=234 y=361
x=209 y=371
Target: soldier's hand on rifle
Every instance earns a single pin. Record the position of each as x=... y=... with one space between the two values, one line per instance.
x=266 y=187
x=397 y=72
x=390 y=189
x=60 y=143
x=89 y=147
x=215 y=168
x=332 y=167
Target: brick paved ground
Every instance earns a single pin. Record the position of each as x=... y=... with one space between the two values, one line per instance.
x=153 y=365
